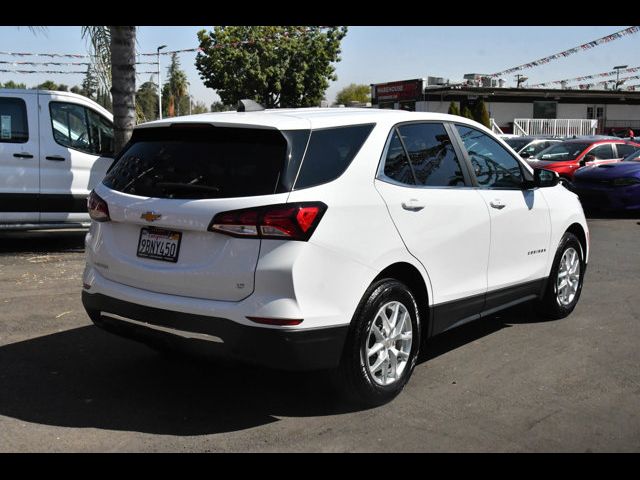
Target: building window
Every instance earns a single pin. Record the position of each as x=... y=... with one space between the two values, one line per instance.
x=545 y=109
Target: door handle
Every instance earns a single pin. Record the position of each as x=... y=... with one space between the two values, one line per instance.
x=55 y=158
x=23 y=155
x=412 y=205
x=497 y=204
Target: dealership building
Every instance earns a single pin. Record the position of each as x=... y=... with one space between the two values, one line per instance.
x=614 y=109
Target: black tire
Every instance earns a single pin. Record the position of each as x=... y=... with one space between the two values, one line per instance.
x=355 y=378
x=549 y=306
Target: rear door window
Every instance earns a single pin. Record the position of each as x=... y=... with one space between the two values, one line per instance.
x=201 y=161
x=431 y=154
x=13 y=121
x=396 y=165
x=602 y=152
x=625 y=149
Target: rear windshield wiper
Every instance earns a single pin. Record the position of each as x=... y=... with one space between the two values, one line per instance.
x=186 y=186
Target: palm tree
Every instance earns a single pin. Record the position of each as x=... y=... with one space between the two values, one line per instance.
x=114 y=48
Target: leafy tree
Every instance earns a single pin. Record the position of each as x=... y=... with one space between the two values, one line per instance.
x=454 y=109
x=103 y=98
x=175 y=90
x=466 y=112
x=12 y=84
x=278 y=66
x=62 y=88
x=90 y=84
x=221 y=107
x=147 y=101
x=199 y=107
x=354 y=93
x=481 y=114
x=47 y=85
x=76 y=89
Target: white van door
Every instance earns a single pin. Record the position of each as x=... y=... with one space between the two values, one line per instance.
x=19 y=158
x=76 y=147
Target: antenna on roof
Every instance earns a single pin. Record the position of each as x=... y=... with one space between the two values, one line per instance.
x=246 y=105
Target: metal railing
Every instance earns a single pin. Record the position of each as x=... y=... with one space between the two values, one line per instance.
x=495 y=128
x=560 y=127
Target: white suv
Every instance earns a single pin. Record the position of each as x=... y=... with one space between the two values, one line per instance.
x=325 y=238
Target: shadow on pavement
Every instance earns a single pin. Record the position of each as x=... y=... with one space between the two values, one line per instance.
x=89 y=378
x=42 y=241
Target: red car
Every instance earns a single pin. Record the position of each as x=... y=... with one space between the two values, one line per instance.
x=568 y=156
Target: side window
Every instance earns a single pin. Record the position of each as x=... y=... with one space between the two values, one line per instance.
x=101 y=134
x=492 y=164
x=80 y=128
x=602 y=152
x=431 y=155
x=396 y=164
x=69 y=125
x=329 y=153
x=625 y=150
x=13 y=121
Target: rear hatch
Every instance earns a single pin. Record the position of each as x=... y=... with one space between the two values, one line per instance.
x=165 y=189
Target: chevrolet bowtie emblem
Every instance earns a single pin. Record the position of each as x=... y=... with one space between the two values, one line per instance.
x=150 y=216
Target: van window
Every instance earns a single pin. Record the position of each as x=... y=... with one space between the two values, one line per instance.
x=80 y=128
x=13 y=120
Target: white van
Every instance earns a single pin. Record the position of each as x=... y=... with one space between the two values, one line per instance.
x=54 y=148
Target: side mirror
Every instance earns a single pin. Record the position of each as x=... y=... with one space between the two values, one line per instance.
x=545 y=178
x=586 y=159
x=525 y=154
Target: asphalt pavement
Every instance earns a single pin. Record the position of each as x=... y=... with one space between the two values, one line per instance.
x=507 y=383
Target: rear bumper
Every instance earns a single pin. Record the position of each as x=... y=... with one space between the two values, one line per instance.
x=310 y=349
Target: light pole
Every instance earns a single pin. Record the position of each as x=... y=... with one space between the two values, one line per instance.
x=160 y=83
x=189 y=93
x=617 y=69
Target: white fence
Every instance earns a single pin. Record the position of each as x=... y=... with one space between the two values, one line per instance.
x=561 y=127
x=495 y=128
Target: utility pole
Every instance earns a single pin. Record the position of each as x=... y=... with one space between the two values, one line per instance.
x=617 y=69
x=160 y=83
x=520 y=79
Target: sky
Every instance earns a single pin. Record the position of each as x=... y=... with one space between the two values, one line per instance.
x=369 y=54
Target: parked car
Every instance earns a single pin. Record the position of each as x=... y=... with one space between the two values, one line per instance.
x=54 y=148
x=310 y=239
x=529 y=146
x=566 y=157
x=613 y=186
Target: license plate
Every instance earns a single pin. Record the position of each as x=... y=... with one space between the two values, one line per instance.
x=159 y=244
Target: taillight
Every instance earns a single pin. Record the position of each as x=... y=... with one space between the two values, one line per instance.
x=289 y=221
x=98 y=209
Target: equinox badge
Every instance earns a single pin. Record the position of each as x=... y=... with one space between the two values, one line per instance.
x=150 y=216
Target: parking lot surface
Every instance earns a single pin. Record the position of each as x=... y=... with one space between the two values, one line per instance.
x=507 y=383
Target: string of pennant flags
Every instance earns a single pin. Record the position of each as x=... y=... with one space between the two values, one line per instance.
x=83 y=72
x=584 y=86
x=571 y=51
x=587 y=77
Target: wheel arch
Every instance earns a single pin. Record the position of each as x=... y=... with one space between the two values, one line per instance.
x=413 y=279
x=579 y=232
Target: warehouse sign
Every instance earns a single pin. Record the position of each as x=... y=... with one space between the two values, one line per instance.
x=398 y=91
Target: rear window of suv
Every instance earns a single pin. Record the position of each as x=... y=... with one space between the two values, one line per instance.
x=205 y=161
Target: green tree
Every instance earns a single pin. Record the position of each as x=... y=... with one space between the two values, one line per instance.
x=454 y=109
x=278 y=66
x=481 y=114
x=12 y=84
x=354 y=93
x=466 y=112
x=47 y=85
x=221 y=107
x=175 y=90
x=90 y=84
x=147 y=101
x=76 y=89
x=199 y=107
